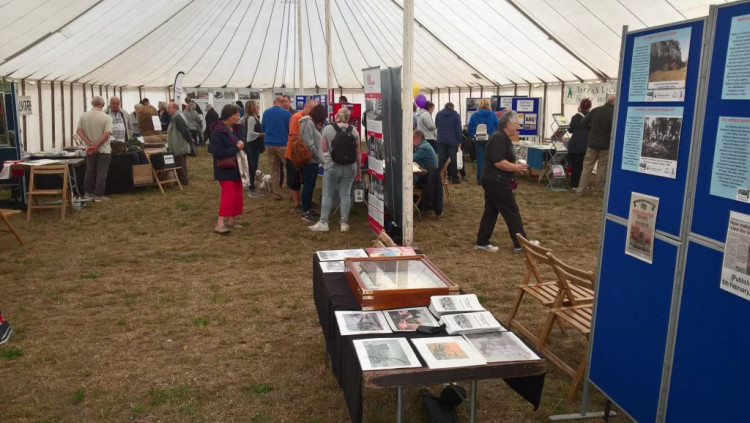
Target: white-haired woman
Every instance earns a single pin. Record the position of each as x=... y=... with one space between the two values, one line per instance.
x=339 y=173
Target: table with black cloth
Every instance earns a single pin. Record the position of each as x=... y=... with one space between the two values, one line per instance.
x=331 y=293
x=119 y=175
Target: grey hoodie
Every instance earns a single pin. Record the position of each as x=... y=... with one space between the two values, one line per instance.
x=426 y=124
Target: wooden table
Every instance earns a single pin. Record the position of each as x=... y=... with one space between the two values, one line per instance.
x=331 y=293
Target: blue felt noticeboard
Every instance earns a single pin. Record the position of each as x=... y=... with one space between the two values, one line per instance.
x=671 y=192
x=632 y=317
x=528 y=129
x=711 y=212
x=710 y=371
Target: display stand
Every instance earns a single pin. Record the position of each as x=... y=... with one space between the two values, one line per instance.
x=11 y=148
x=664 y=328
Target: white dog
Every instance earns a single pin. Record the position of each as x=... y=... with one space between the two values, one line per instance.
x=265 y=182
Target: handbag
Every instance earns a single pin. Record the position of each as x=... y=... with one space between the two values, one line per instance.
x=227 y=162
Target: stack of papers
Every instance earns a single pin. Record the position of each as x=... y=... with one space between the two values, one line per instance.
x=466 y=323
x=449 y=304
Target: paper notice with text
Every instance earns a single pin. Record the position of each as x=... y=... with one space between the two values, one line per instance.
x=639 y=241
x=735 y=272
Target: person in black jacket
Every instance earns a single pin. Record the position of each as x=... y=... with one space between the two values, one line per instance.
x=578 y=143
x=211 y=117
x=226 y=141
x=448 y=123
x=599 y=121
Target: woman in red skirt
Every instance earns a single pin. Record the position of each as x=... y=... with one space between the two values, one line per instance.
x=226 y=142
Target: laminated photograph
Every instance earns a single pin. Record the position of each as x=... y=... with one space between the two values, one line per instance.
x=391 y=252
x=497 y=347
x=409 y=319
x=735 y=270
x=332 y=266
x=462 y=323
x=361 y=322
x=339 y=255
x=385 y=353
x=448 y=351
x=445 y=304
x=639 y=241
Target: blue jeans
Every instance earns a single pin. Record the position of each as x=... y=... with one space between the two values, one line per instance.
x=309 y=175
x=253 y=156
x=337 y=177
x=444 y=152
x=479 y=147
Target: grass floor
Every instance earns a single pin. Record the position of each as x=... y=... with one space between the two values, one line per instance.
x=134 y=310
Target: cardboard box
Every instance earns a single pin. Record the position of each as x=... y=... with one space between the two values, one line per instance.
x=142 y=174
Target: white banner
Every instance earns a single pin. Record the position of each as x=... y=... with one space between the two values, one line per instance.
x=24 y=105
x=597 y=92
x=178 y=88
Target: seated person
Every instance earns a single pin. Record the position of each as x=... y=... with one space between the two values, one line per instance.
x=424 y=156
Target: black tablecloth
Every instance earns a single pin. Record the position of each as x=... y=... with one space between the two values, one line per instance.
x=331 y=293
x=119 y=176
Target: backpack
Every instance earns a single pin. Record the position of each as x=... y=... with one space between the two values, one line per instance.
x=343 y=147
x=299 y=154
x=481 y=133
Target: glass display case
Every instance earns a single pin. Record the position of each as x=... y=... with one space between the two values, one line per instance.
x=381 y=283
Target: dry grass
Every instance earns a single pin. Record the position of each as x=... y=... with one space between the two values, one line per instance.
x=133 y=310
x=668 y=75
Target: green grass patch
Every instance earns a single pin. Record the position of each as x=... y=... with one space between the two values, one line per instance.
x=11 y=353
x=130 y=299
x=201 y=321
x=78 y=396
x=170 y=393
x=91 y=275
x=138 y=408
x=258 y=389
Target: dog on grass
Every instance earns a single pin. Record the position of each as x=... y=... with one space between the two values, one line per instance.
x=265 y=182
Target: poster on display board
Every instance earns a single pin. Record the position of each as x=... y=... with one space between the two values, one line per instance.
x=355 y=111
x=735 y=271
x=731 y=168
x=528 y=117
x=597 y=92
x=222 y=97
x=639 y=241
x=376 y=148
x=659 y=66
x=301 y=100
x=737 y=71
x=472 y=105
x=652 y=140
x=246 y=94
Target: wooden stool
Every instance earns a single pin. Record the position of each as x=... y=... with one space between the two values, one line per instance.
x=4 y=213
x=32 y=196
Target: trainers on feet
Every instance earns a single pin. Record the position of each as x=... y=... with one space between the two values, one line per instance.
x=517 y=250
x=100 y=198
x=488 y=247
x=5 y=332
x=319 y=227
x=344 y=227
x=308 y=216
x=254 y=193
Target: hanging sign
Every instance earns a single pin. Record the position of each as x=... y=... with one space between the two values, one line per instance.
x=24 y=105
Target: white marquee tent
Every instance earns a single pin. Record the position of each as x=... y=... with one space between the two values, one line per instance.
x=63 y=52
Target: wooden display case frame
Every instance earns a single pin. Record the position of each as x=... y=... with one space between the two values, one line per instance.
x=383 y=299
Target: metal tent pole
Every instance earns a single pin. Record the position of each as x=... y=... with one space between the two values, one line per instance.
x=407 y=98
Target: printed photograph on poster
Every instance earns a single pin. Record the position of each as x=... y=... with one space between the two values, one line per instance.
x=192 y=93
x=361 y=322
x=529 y=121
x=473 y=103
x=639 y=241
x=493 y=102
x=385 y=353
x=376 y=155
x=374 y=113
x=652 y=140
x=409 y=319
x=659 y=66
x=736 y=71
x=730 y=177
x=735 y=271
x=376 y=189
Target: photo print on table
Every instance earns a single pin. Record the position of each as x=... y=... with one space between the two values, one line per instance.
x=448 y=351
x=361 y=322
x=500 y=346
x=385 y=353
x=409 y=319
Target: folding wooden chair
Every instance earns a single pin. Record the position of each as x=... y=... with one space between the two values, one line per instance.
x=4 y=214
x=167 y=175
x=444 y=181
x=383 y=240
x=577 y=314
x=32 y=196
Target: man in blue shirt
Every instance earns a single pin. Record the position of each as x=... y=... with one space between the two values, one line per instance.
x=424 y=155
x=276 y=129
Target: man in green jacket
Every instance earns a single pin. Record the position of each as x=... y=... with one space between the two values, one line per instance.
x=599 y=122
x=178 y=141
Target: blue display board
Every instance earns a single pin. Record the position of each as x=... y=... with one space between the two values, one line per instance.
x=632 y=317
x=718 y=160
x=633 y=166
x=529 y=117
x=300 y=100
x=710 y=369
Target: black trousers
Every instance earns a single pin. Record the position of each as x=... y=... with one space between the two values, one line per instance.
x=576 y=168
x=499 y=199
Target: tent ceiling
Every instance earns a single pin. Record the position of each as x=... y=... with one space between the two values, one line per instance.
x=253 y=43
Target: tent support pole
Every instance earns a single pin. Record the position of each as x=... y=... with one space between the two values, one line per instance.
x=23 y=118
x=544 y=113
x=62 y=110
x=140 y=94
x=515 y=90
x=329 y=58
x=52 y=108
x=298 y=4
x=407 y=178
x=41 y=115
x=71 y=113
x=562 y=98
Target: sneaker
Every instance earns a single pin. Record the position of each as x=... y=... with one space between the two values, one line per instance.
x=221 y=230
x=344 y=227
x=5 y=332
x=254 y=193
x=309 y=216
x=319 y=227
x=488 y=247
x=100 y=198
x=517 y=250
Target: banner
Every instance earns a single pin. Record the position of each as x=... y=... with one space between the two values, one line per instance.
x=597 y=92
x=376 y=147
x=178 y=95
x=639 y=241
x=355 y=118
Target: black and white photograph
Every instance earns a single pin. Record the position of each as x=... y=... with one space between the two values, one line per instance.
x=218 y=95
x=661 y=137
x=409 y=319
x=332 y=266
x=361 y=322
x=338 y=255
x=500 y=346
x=473 y=103
x=385 y=353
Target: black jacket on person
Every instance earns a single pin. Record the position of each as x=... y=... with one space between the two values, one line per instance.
x=432 y=193
x=211 y=117
x=223 y=145
x=579 y=141
x=600 y=122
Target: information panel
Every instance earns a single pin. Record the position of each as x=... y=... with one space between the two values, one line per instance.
x=529 y=117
